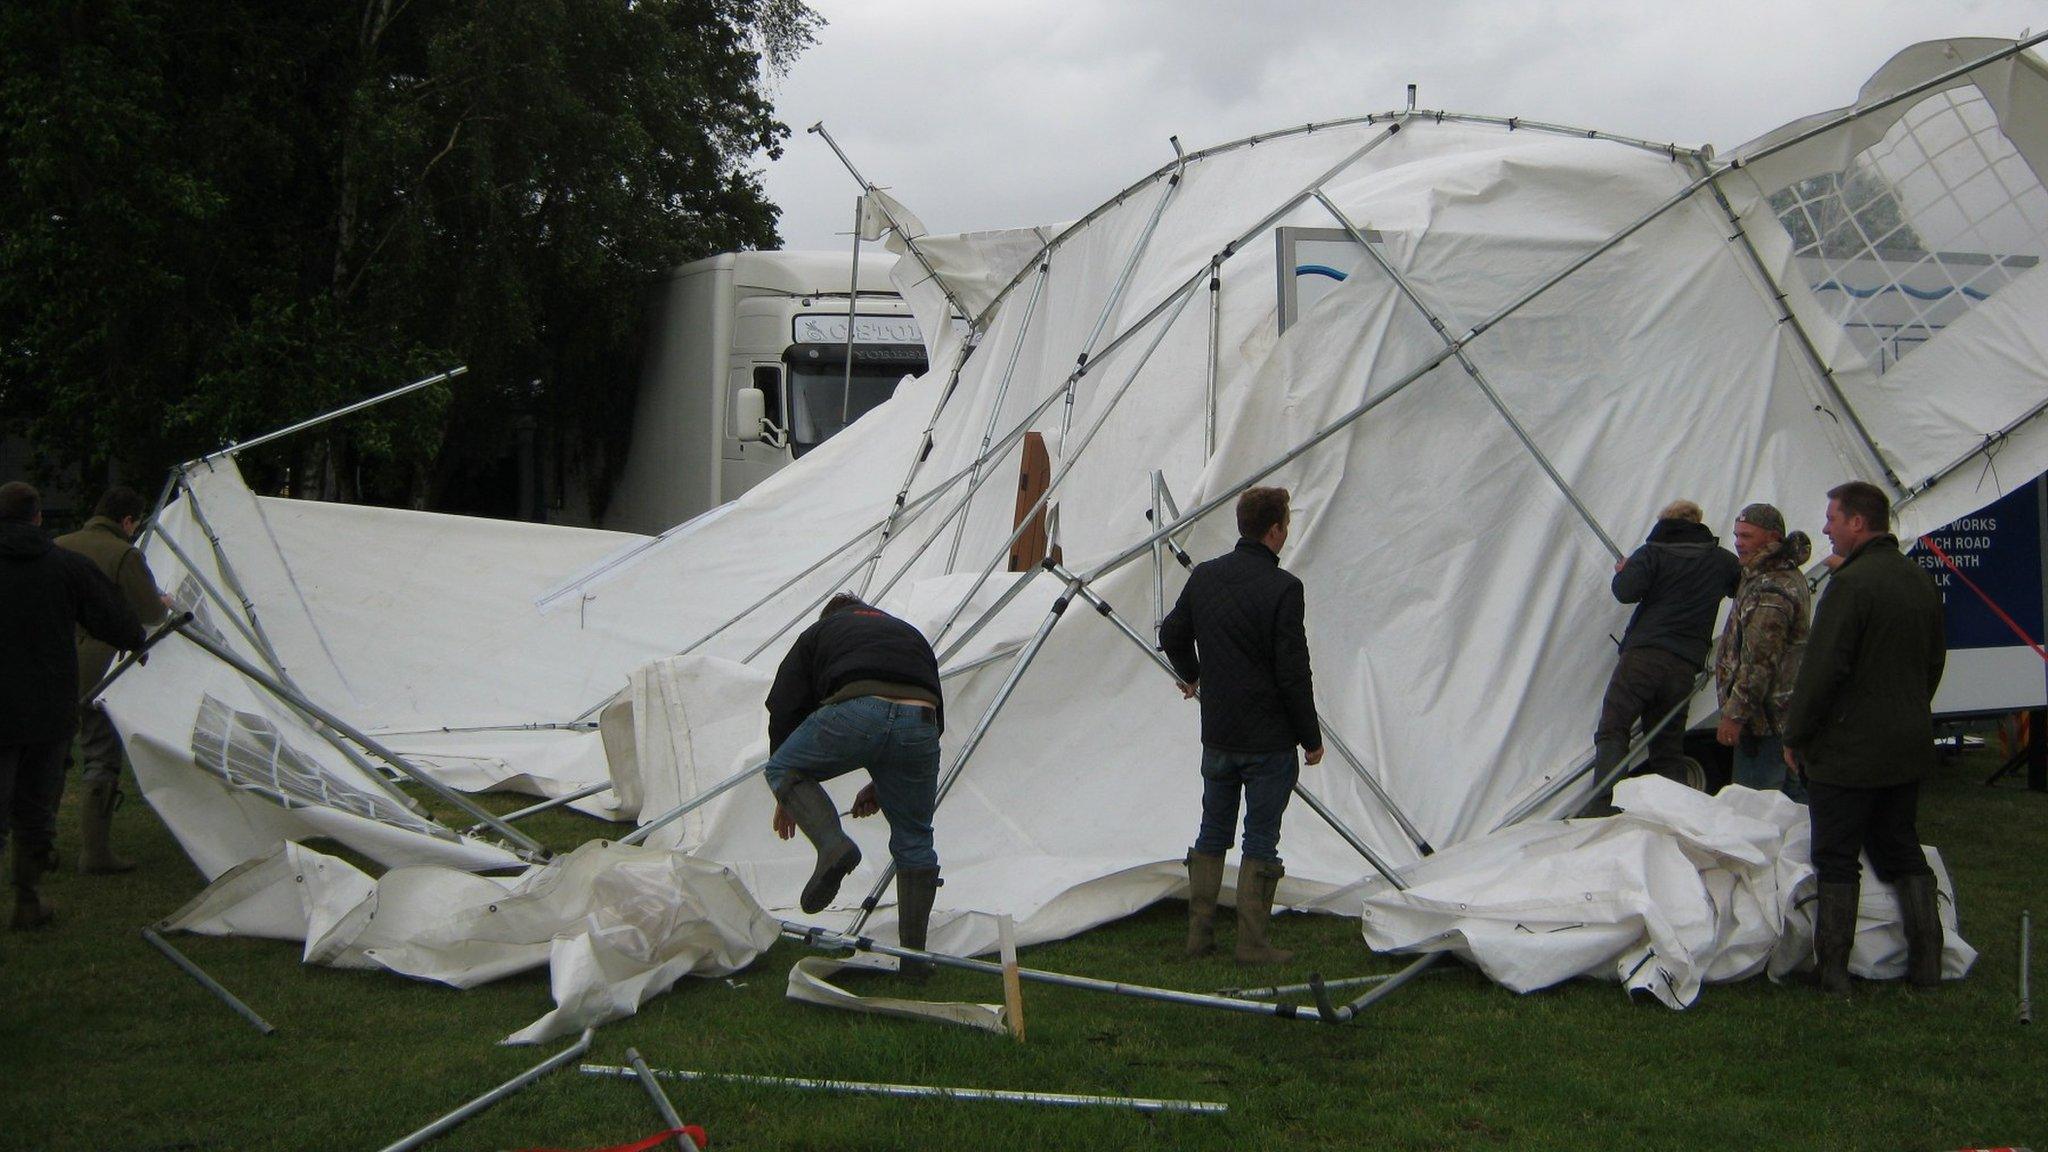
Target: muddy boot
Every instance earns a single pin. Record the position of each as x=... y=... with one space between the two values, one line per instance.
x=1834 y=934
x=1256 y=880
x=1205 y=880
x=96 y=819
x=813 y=811
x=29 y=910
x=1922 y=918
x=915 y=889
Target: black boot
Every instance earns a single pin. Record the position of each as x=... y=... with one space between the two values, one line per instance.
x=30 y=912
x=1922 y=918
x=1834 y=934
x=813 y=811
x=1605 y=757
x=95 y=825
x=915 y=890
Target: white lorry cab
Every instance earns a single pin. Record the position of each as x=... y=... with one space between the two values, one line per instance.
x=746 y=370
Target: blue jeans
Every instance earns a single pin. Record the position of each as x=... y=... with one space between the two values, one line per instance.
x=894 y=743
x=1766 y=770
x=1267 y=780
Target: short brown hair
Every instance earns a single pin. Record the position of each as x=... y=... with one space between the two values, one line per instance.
x=119 y=503
x=1259 y=509
x=19 y=501
x=841 y=602
x=1860 y=498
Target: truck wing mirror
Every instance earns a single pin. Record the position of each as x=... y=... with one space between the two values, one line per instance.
x=750 y=416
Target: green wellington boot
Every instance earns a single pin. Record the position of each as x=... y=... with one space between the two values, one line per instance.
x=1256 y=880
x=1922 y=918
x=1205 y=880
x=915 y=890
x=95 y=823
x=813 y=811
x=1834 y=934
x=29 y=910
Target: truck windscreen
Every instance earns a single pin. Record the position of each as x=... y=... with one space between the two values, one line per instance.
x=820 y=404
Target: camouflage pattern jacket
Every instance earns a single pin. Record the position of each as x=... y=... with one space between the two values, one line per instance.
x=1757 y=660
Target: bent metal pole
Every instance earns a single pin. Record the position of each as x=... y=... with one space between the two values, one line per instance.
x=662 y=1106
x=974 y=738
x=827 y=939
x=376 y=748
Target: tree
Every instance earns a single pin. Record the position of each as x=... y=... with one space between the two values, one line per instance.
x=222 y=218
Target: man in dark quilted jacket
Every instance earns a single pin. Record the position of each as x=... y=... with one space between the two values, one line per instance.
x=1237 y=637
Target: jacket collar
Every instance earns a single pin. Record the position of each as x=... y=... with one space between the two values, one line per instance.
x=1252 y=547
x=1675 y=531
x=106 y=524
x=1882 y=542
x=19 y=538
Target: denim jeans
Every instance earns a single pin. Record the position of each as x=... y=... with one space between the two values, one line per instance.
x=1766 y=770
x=1267 y=780
x=898 y=747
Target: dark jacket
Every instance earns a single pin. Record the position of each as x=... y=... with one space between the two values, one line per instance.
x=101 y=542
x=856 y=644
x=1677 y=581
x=47 y=593
x=1238 y=630
x=1862 y=710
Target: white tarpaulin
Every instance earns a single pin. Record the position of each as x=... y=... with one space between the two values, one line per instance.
x=1552 y=334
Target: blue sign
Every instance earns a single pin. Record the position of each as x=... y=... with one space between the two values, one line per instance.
x=1999 y=549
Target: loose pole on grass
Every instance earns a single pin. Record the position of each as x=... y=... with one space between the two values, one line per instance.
x=660 y=1098
x=207 y=982
x=2026 y=959
x=923 y=1091
x=495 y=1095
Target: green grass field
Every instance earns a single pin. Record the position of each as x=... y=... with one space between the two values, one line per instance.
x=105 y=1045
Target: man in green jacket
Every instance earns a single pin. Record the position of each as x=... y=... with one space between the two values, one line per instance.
x=1861 y=729
x=107 y=540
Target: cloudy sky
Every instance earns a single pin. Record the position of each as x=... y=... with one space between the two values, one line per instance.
x=993 y=113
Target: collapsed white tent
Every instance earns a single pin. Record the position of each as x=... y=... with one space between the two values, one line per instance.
x=1542 y=335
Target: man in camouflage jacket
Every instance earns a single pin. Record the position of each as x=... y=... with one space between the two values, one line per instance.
x=1757 y=660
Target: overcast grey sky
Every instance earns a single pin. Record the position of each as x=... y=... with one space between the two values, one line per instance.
x=983 y=114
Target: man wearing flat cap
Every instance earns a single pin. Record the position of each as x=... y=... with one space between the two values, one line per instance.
x=1757 y=660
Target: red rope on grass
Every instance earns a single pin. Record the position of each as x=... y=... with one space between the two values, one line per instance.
x=695 y=1134
x=2011 y=623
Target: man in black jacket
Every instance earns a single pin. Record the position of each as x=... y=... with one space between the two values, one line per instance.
x=860 y=689
x=1677 y=581
x=1237 y=636
x=46 y=594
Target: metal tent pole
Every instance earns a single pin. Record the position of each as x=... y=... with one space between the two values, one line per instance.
x=1472 y=370
x=298 y=700
x=917 y=459
x=1158 y=515
x=1109 y=306
x=827 y=939
x=494 y=1096
x=337 y=414
x=852 y=309
x=909 y=241
x=996 y=410
x=924 y=1091
x=1015 y=589
x=207 y=982
x=131 y=659
x=234 y=583
x=1820 y=367
x=163 y=497
x=660 y=1098
x=207 y=589
x=1109 y=613
x=1215 y=353
x=1067 y=461
x=974 y=738
x=1358 y=768
x=546 y=805
x=1637 y=752
x=639 y=835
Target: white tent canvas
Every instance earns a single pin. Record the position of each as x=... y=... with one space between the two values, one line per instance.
x=1548 y=334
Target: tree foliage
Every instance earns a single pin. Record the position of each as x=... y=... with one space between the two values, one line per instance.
x=221 y=218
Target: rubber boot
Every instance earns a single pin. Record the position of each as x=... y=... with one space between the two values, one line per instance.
x=1605 y=757
x=1256 y=880
x=1205 y=880
x=813 y=811
x=1834 y=934
x=915 y=889
x=96 y=819
x=1923 y=930
x=29 y=910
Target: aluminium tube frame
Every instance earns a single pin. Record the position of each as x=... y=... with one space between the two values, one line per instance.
x=1109 y=306
x=1215 y=354
x=234 y=582
x=923 y=1091
x=925 y=443
x=1408 y=828
x=494 y=1096
x=1109 y=613
x=546 y=805
x=895 y=226
x=2026 y=962
x=1477 y=376
x=852 y=310
x=974 y=738
x=131 y=659
x=301 y=703
x=825 y=938
x=639 y=835
x=338 y=413
x=207 y=982
x=1638 y=751
x=163 y=497
x=996 y=409
x=666 y=1110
